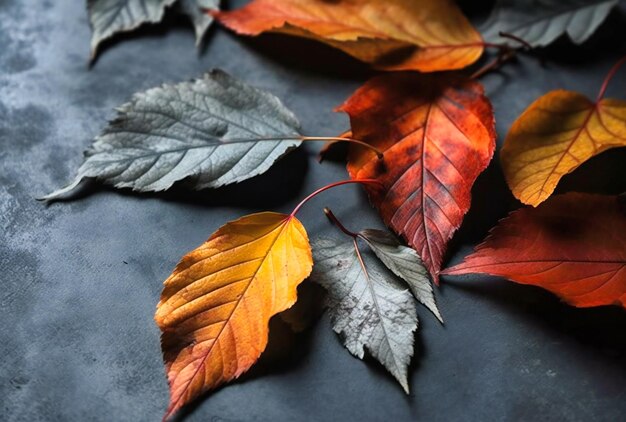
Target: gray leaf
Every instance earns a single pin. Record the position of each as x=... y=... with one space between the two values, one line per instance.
x=405 y=263
x=182 y=131
x=201 y=21
x=369 y=308
x=109 y=17
x=539 y=22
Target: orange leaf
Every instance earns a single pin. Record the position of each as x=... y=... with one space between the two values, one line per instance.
x=438 y=134
x=425 y=35
x=573 y=245
x=216 y=305
x=557 y=133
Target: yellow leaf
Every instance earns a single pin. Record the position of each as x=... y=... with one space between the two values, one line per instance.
x=216 y=305
x=557 y=133
x=425 y=35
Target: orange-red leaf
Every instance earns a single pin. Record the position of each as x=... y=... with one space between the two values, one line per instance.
x=216 y=305
x=425 y=35
x=573 y=245
x=556 y=134
x=437 y=134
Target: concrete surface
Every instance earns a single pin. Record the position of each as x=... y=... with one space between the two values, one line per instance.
x=80 y=279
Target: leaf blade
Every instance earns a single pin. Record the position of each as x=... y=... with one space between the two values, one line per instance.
x=541 y=22
x=181 y=131
x=437 y=134
x=392 y=35
x=194 y=9
x=109 y=17
x=252 y=266
x=405 y=263
x=573 y=245
x=556 y=134
x=375 y=312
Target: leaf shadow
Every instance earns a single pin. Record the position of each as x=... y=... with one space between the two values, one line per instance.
x=484 y=212
x=307 y=57
x=280 y=184
x=603 y=174
x=598 y=330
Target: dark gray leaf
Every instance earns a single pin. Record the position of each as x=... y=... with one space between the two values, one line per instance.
x=369 y=308
x=201 y=20
x=405 y=263
x=182 y=131
x=109 y=17
x=539 y=22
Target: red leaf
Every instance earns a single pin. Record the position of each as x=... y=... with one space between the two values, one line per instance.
x=438 y=134
x=573 y=245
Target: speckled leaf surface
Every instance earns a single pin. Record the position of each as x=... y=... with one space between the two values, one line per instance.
x=539 y=22
x=177 y=132
x=369 y=308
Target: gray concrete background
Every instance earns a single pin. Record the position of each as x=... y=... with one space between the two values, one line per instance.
x=80 y=279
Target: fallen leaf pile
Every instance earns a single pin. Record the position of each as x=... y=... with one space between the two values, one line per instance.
x=419 y=138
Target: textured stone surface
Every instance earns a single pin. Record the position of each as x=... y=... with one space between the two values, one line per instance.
x=80 y=280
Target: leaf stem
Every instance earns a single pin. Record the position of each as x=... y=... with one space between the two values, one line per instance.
x=505 y=56
x=609 y=76
x=337 y=223
x=378 y=152
x=520 y=40
x=306 y=139
x=332 y=185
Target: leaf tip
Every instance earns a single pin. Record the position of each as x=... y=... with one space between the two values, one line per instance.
x=405 y=385
x=59 y=192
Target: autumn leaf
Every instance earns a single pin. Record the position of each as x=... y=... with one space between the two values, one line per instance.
x=539 y=23
x=208 y=131
x=216 y=305
x=556 y=134
x=438 y=134
x=194 y=9
x=109 y=17
x=405 y=263
x=573 y=245
x=369 y=308
x=425 y=35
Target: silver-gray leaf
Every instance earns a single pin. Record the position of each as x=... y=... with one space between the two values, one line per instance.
x=201 y=20
x=539 y=22
x=182 y=131
x=369 y=308
x=405 y=263
x=109 y=17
